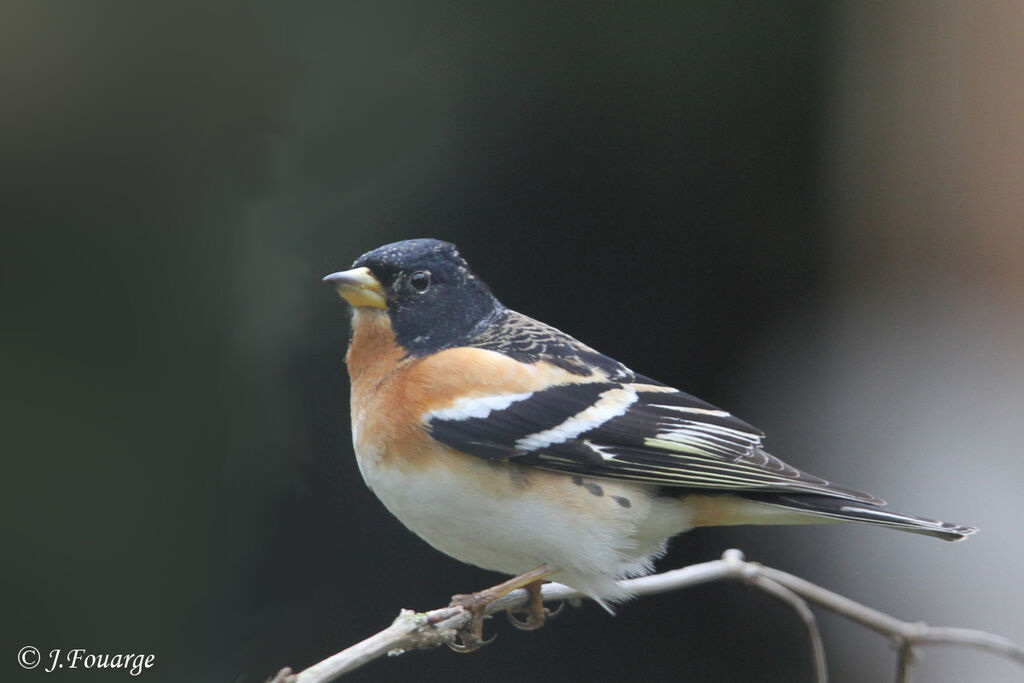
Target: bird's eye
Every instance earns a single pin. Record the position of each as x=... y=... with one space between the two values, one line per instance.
x=420 y=280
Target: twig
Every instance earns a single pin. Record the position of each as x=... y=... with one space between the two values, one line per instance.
x=806 y=615
x=905 y=661
x=425 y=630
x=903 y=632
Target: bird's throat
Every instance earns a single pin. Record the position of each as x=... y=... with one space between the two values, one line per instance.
x=373 y=353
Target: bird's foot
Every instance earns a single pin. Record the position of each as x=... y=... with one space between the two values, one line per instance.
x=534 y=609
x=470 y=638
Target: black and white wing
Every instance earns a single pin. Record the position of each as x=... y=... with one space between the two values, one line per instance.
x=637 y=430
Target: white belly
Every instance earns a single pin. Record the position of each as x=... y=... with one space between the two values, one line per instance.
x=511 y=519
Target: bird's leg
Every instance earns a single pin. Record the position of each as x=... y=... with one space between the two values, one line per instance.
x=536 y=613
x=471 y=637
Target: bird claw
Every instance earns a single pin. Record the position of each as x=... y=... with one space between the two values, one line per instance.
x=530 y=623
x=534 y=620
x=552 y=613
x=470 y=637
x=466 y=641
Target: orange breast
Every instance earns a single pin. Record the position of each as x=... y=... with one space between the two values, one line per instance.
x=390 y=392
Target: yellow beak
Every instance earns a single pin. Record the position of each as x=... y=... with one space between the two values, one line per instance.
x=359 y=287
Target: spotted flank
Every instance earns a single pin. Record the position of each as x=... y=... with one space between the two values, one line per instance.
x=636 y=430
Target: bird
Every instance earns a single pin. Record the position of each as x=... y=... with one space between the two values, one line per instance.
x=507 y=444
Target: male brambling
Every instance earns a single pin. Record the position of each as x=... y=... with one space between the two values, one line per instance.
x=509 y=445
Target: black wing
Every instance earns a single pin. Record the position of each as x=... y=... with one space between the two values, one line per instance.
x=637 y=430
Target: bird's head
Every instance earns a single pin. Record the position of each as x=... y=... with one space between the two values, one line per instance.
x=433 y=299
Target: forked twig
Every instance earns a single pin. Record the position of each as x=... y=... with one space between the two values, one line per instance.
x=426 y=630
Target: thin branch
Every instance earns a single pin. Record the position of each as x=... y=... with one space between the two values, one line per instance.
x=905 y=661
x=411 y=630
x=914 y=633
x=426 y=630
x=806 y=615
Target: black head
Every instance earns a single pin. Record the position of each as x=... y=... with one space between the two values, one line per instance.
x=432 y=297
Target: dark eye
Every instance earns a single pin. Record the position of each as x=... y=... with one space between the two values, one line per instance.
x=420 y=280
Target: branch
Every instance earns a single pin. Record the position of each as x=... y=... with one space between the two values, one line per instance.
x=804 y=612
x=426 y=630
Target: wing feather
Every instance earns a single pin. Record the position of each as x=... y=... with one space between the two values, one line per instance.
x=639 y=431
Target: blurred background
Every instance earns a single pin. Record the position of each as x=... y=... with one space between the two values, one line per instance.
x=810 y=213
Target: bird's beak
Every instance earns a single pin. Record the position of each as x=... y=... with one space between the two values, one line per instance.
x=359 y=287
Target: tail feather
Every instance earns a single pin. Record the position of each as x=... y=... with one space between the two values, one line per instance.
x=853 y=511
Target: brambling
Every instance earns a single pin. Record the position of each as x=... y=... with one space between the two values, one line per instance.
x=510 y=445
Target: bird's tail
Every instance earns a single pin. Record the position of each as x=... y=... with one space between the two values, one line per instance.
x=842 y=510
